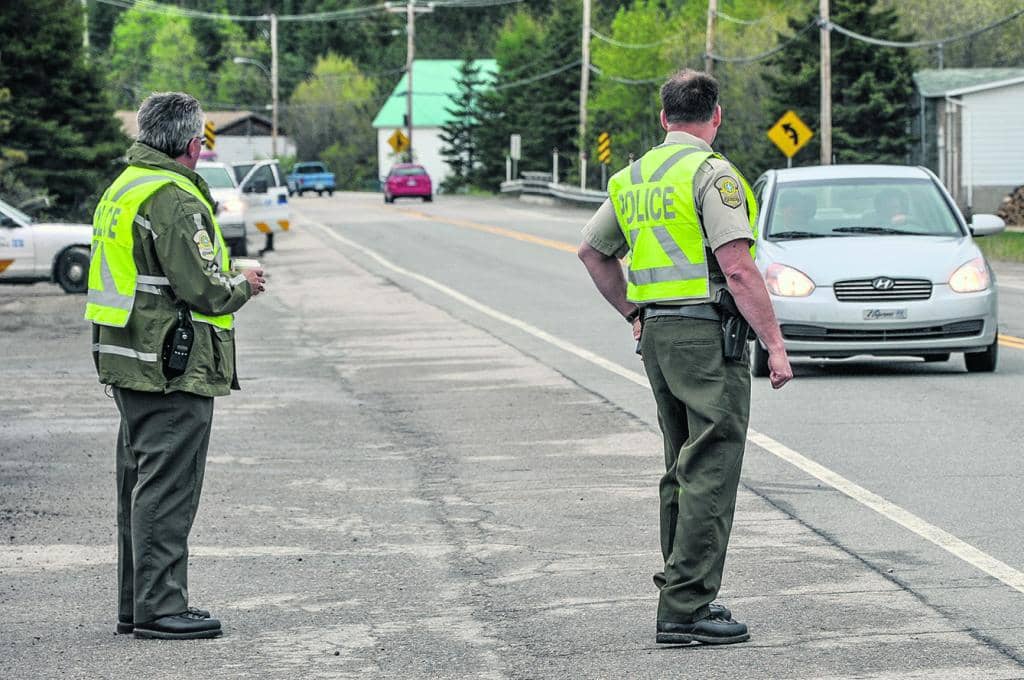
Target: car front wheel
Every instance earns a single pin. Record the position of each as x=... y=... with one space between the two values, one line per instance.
x=983 y=362
x=73 y=270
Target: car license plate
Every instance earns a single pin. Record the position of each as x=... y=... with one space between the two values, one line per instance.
x=884 y=314
x=319 y=187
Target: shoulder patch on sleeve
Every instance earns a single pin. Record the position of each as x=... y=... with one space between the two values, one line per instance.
x=204 y=245
x=729 y=191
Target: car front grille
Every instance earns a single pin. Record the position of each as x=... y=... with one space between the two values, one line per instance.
x=863 y=290
x=806 y=333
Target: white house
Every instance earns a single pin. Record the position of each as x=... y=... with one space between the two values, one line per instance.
x=241 y=135
x=435 y=82
x=973 y=132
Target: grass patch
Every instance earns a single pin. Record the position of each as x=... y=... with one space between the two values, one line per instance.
x=1007 y=246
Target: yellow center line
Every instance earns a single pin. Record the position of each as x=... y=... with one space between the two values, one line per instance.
x=491 y=229
x=1004 y=340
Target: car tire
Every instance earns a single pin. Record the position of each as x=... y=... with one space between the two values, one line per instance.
x=239 y=248
x=320 y=194
x=300 y=192
x=759 y=361
x=935 y=358
x=330 y=192
x=389 y=199
x=72 y=270
x=428 y=199
x=983 y=362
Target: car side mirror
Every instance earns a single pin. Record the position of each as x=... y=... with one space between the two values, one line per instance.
x=258 y=186
x=986 y=225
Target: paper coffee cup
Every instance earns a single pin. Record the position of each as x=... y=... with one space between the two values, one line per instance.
x=245 y=263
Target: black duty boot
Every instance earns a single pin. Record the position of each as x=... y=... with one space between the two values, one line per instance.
x=184 y=626
x=717 y=609
x=126 y=625
x=712 y=630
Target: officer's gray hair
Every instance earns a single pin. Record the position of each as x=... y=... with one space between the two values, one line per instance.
x=168 y=121
x=689 y=97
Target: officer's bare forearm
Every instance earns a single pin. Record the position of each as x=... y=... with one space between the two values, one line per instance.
x=747 y=288
x=606 y=273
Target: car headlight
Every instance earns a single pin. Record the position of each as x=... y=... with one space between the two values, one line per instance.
x=970 y=277
x=787 y=282
x=231 y=205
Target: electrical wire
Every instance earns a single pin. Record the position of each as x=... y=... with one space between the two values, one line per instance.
x=764 y=55
x=744 y=22
x=332 y=15
x=631 y=46
x=542 y=76
x=925 y=43
x=626 y=81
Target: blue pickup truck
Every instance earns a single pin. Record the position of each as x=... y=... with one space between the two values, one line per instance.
x=310 y=177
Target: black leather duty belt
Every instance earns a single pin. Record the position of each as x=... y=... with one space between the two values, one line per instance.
x=705 y=310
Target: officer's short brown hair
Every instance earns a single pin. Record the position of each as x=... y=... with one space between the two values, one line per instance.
x=689 y=97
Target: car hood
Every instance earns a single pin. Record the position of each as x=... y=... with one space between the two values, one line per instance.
x=224 y=193
x=827 y=260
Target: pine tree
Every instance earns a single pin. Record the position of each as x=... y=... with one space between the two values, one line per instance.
x=60 y=115
x=872 y=87
x=460 y=134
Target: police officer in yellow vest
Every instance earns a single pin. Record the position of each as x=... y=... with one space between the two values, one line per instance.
x=687 y=219
x=161 y=297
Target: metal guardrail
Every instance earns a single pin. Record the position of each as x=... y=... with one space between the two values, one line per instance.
x=540 y=184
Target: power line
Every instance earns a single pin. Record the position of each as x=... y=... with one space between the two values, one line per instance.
x=764 y=55
x=631 y=46
x=542 y=76
x=626 y=81
x=924 y=43
x=744 y=22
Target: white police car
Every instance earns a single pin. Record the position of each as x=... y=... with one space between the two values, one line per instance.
x=36 y=251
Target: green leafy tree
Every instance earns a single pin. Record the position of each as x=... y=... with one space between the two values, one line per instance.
x=872 y=88
x=536 y=93
x=59 y=115
x=460 y=135
x=175 y=62
x=329 y=117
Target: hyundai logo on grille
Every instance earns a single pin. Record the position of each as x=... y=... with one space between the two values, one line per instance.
x=883 y=283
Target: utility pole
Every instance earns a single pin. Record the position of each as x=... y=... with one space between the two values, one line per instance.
x=584 y=92
x=410 y=55
x=709 y=41
x=273 y=84
x=85 y=30
x=826 y=85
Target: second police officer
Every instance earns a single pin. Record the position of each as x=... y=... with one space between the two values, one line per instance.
x=687 y=220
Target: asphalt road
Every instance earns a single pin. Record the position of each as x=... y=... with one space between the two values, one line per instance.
x=442 y=465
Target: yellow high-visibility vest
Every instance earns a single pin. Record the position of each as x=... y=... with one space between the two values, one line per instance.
x=654 y=203
x=113 y=277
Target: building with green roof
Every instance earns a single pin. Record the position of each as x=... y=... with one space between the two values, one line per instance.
x=435 y=83
x=972 y=132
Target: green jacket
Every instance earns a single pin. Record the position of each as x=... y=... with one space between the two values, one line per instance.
x=165 y=246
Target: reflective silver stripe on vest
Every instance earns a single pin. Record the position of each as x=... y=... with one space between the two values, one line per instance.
x=108 y=297
x=125 y=352
x=672 y=160
x=636 y=175
x=681 y=267
x=145 y=224
x=137 y=182
x=153 y=280
x=146 y=288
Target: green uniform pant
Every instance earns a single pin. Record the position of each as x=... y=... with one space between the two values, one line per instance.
x=161 y=457
x=703 y=408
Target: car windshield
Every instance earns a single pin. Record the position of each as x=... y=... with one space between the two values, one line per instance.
x=405 y=172
x=15 y=213
x=216 y=177
x=310 y=169
x=860 y=207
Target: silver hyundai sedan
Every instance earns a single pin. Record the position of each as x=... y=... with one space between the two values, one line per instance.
x=874 y=260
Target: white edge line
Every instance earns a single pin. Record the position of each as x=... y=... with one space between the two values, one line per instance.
x=945 y=540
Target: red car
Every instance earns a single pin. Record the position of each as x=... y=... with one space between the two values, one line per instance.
x=406 y=179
